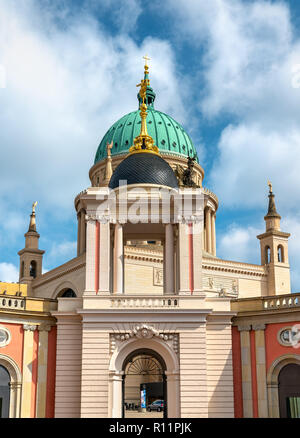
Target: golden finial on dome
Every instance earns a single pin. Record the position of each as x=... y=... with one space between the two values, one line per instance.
x=144 y=142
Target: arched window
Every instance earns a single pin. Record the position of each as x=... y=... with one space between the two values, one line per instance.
x=4 y=392
x=33 y=269
x=68 y=293
x=289 y=391
x=280 y=254
x=267 y=255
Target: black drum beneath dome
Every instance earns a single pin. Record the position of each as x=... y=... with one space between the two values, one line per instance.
x=144 y=168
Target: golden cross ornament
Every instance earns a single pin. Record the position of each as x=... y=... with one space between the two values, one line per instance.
x=146 y=58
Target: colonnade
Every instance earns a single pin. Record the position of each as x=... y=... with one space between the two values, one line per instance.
x=118 y=260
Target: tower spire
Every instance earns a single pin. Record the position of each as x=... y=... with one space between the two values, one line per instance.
x=272 y=218
x=144 y=142
x=32 y=222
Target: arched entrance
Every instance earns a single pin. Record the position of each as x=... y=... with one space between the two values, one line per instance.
x=4 y=392
x=144 y=385
x=10 y=388
x=167 y=359
x=289 y=391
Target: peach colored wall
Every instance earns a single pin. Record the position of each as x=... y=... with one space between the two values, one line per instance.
x=15 y=348
x=51 y=373
x=237 y=373
x=273 y=348
x=253 y=374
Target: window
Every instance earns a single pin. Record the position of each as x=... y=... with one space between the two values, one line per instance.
x=33 y=269
x=280 y=254
x=69 y=293
x=4 y=337
x=267 y=255
x=4 y=392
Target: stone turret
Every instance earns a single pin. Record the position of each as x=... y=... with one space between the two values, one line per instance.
x=274 y=250
x=31 y=257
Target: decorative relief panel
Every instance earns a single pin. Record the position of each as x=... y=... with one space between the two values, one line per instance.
x=224 y=286
x=158 y=277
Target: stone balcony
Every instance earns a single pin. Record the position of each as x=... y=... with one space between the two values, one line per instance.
x=276 y=302
x=26 y=304
x=143 y=303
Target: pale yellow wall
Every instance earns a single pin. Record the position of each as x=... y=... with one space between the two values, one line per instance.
x=253 y=287
x=13 y=288
x=139 y=279
x=193 y=371
x=219 y=369
x=95 y=365
x=68 y=367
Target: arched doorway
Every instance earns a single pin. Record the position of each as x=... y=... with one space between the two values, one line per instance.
x=4 y=392
x=144 y=385
x=167 y=358
x=289 y=391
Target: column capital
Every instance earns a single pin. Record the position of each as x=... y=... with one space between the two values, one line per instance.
x=244 y=328
x=29 y=327
x=258 y=326
x=14 y=385
x=44 y=328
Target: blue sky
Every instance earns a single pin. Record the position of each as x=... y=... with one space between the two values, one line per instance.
x=225 y=69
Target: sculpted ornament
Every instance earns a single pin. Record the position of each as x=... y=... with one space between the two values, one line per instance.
x=144 y=331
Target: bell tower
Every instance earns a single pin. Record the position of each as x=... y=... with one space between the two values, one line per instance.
x=31 y=257
x=274 y=251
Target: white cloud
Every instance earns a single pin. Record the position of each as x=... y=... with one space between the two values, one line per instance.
x=249 y=68
x=8 y=273
x=62 y=250
x=249 y=155
x=240 y=244
x=292 y=224
x=65 y=87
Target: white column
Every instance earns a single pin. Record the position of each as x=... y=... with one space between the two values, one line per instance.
x=82 y=232
x=27 y=370
x=78 y=233
x=173 y=394
x=260 y=354
x=213 y=233
x=117 y=383
x=183 y=260
x=208 y=229
x=104 y=258
x=246 y=370
x=197 y=258
x=169 y=262
x=42 y=371
x=118 y=259
x=90 y=256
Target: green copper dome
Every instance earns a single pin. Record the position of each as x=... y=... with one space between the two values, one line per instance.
x=168 y=135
